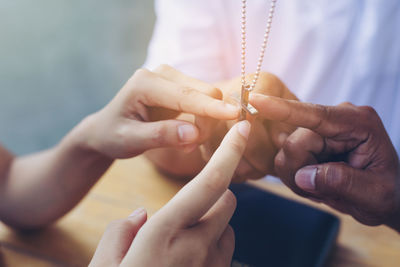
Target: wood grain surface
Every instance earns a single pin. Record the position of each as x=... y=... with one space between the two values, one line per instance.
x=134 y=183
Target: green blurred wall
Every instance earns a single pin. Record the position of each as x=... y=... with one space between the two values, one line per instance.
x=61 y=60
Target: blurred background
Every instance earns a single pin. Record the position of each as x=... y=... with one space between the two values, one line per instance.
x=62 y=60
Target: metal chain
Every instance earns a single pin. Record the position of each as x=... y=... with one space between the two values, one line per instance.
x=263 y=45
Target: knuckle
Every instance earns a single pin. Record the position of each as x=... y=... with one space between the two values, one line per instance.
x=188 y=91
x=140 y=74
x=163 y=68
x=346 y=104
x=268 y=77
x=368 y=111
x=279 y=162
x=290 y=145
x=121 y=135
x=269 y=84
x=369 y=114
x=159 y=135
x=368 y=117
x=323 y=113
x=230 y=200
x=138 y=77
x=338 y=178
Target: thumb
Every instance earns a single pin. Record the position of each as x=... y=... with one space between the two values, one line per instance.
x=117 y=239
x=336 y=179
x=168 y=133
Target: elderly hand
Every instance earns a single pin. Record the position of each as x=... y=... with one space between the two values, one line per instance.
x=341 y=156
x=266 y=136
x=192 y=228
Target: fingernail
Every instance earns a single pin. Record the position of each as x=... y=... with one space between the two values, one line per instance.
x=137 y=212
x=244 y=128
x=305 y=178
x=187 y=133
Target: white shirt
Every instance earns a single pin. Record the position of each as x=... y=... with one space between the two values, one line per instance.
x=326 y=51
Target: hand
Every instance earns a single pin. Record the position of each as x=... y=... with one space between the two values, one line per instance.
x=342 y=156
x=192 y=228
x=266 y=136
x=117 y=239
x=142 y=115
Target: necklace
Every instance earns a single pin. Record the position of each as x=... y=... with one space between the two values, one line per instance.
x=246 y=89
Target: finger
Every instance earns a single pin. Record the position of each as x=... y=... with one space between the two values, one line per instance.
x=279 y=132
x=117 y=239
x=156 y=91
x=217 y=218
x=321 y=119
x=226 y=244
x=249 y=168
x=142 y=136
x=212 y=143
x=336 y=180
x=199 y=195
x=176 y=76
x=299 y=149
x=206 y=126
x=260 y=151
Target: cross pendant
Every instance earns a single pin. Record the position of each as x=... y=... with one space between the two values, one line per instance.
x=244 y=102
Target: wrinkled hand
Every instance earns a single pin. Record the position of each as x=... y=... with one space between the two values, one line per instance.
x=143 y=114
x=192 y=228
x=266 y=136
x=342 y=156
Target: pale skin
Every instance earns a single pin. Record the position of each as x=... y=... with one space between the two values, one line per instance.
x=192 y=228
x=37 y=189
x=265 y=139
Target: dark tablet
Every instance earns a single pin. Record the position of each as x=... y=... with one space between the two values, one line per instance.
x=274 y=231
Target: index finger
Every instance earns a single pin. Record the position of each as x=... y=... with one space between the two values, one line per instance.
x=318 y=118
x=176 y=76
x=199 y=195
x=156 y=91
x=205 y=124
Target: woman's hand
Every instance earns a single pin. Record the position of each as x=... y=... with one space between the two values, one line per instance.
x=142 y=115
x=192 y=228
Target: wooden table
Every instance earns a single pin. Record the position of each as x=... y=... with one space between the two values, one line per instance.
x=130 y=184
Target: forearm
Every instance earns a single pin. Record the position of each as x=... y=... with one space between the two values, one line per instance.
x=42 y=187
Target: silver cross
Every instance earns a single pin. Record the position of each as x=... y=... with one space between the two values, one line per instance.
x=244 y=102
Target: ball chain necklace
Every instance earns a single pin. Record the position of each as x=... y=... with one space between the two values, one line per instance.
x=247 y=88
